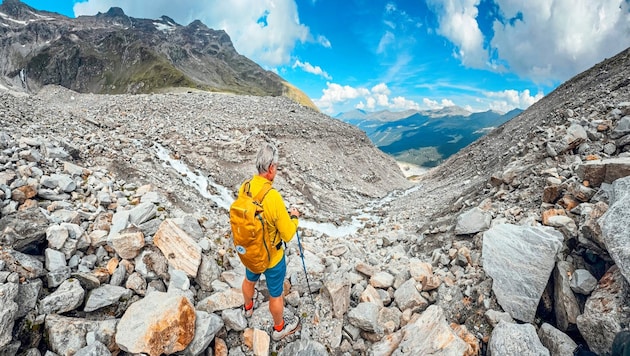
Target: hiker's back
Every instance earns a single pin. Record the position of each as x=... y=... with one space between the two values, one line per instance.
x=249 y=228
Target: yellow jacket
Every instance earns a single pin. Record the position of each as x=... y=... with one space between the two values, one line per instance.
x=279 y=224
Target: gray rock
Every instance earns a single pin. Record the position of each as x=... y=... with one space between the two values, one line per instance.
x=106 y=295
x=338 y=290
x=583 y=282
x=615 y=225
x=209 y=271
x=493 y=317
x=408 y=297
x=304 y=347
x=605 y=312
x=622 y=128
x=557 y=342
x=473 y=221
x=8 y=312
x=515 y=339
x=234 y=319
x=382 y=280
x=24 y=230
x=25 y=265
x=566 y=305
x=58 y=276
x=28 y=294
x=94 y=349
x=190 y=225
x=67 y=297
x=56 y=236
x=206 y=327
x=365 y=317
x=136 y=283
x=54 y=259
x=61 y=181
x=520 y=260
x=142 y=213
x=419 y=337
x=67 y=335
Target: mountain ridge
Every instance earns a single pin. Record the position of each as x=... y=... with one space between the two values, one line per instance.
x=425 y=137
x=114 y=53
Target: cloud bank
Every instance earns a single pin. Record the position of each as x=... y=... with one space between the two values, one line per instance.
x=539 y=40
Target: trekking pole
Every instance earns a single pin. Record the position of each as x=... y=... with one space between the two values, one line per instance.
x=304 y=265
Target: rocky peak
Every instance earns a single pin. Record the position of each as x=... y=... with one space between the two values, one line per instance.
x=18 y=10
x=86 y=54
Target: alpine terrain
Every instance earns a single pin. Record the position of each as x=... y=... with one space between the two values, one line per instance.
x=425 y=138
x=114 y=232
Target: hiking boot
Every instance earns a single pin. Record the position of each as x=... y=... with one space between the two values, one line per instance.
x=249 y=312
x=291 y=325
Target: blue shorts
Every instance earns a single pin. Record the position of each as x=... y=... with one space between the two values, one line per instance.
x=274 y=276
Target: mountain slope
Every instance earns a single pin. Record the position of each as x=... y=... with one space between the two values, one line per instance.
x=425 y=138
x=114 y=53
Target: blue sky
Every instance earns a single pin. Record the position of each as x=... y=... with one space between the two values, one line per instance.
x=405 y=54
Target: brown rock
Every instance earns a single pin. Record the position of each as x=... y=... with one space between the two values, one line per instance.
x=220 y=347
x=551 y=193
x=161 y=323
x=248 y=338
x=430 y=282
x=112 y=265
x=568 y=202
x=549 y=213
x=22 y=193
x=474 y=348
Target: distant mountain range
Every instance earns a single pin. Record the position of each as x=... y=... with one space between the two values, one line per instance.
x=113 y=53
x=425 y=138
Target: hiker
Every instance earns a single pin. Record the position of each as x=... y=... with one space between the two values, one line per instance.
x=281 y=225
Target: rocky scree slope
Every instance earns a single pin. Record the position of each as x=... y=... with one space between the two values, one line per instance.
x=97 y=228
x=114 y=53
x=559 y=164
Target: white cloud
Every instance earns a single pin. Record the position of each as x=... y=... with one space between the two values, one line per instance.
x=435 y=105
x=309 y=68
x=322 y=40
x=541 y=40
x=401 y=103
x=458 y=22
x=362 y=98
x=558 y=38
x=504 y=101
x=335 y=93
x=381 y=89
x=269 y=42
x=386 y=40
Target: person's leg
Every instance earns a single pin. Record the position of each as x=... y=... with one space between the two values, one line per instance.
x=248 y=287
x=276 y=307
x=275 y=284
x=248 y=292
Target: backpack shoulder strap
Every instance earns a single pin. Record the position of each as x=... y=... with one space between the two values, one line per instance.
x=263 y=192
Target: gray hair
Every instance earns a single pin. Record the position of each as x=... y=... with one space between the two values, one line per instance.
x=267 y=156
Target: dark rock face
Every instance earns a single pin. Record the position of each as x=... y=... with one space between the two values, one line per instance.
x=114 y=53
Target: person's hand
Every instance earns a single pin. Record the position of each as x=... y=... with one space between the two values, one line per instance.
x=294 y=212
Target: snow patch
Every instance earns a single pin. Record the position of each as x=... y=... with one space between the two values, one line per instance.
x=7 y=17
x=164 y=27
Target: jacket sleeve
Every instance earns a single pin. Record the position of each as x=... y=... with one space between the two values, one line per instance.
x=285 y=226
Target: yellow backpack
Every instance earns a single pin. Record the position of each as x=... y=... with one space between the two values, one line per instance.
x=251 y=238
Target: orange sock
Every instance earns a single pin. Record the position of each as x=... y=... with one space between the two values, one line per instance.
x=249 y=306
x=279 y=327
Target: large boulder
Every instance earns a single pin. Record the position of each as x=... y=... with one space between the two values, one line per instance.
x=161 y=323
x=615 y=225
x=520 y=260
